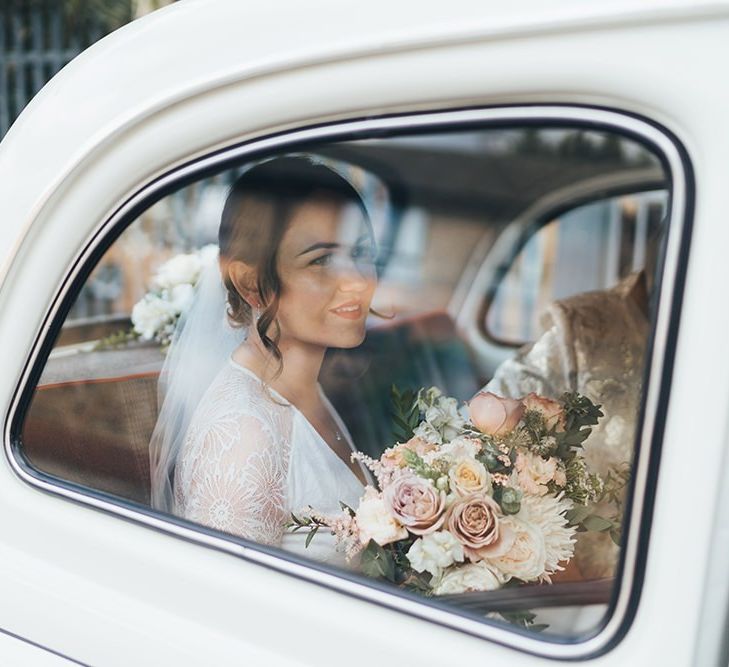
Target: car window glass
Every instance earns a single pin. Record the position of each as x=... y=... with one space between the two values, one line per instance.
x=590 y=247
x=357 y=298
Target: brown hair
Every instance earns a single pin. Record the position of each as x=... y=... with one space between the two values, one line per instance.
x=256 y=215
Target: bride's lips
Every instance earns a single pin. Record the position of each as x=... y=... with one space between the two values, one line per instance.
x=352 y=310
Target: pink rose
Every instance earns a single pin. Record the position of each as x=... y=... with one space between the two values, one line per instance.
x=550 y=410
x=475 y=521
x=494 y=415
x=416 y=504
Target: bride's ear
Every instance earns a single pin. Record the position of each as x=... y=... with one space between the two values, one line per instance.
x=244 y=279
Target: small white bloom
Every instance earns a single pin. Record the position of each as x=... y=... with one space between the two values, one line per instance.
x=460 y=448
x=427 y=397
x=208 y=254
x=473 y=577
x=426 y=431
x=435 y=552
x=180 y=297
x=150 y=315
x=375 y=521
x=184 y=268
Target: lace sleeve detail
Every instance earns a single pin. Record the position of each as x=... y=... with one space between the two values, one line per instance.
x=234 y=477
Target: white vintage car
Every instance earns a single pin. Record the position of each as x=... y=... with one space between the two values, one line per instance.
x=516 y=160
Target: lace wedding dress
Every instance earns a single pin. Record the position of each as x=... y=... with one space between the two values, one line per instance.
x=250 y=458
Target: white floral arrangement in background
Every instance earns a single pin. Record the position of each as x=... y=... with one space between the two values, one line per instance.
x=472 y=498
x=155 y=315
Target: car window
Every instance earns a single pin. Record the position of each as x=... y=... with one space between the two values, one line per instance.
x=270 y=352
x=590 y=247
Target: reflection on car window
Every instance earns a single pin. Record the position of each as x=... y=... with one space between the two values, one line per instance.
x=407 y=357
x=590 y=247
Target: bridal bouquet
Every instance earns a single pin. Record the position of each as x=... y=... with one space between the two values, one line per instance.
x=470 y=499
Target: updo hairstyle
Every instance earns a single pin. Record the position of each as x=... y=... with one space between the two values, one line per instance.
x=256 y=215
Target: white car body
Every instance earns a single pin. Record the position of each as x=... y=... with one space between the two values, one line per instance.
x=80 y=580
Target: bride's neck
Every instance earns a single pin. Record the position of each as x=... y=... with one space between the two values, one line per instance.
x=300 y=366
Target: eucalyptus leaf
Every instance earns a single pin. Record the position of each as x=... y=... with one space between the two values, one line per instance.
x=310 y=536
x=596 y=523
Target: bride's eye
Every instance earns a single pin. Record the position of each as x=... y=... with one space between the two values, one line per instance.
x=323 y=260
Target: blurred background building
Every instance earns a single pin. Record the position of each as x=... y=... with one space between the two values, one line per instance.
x=38 y=37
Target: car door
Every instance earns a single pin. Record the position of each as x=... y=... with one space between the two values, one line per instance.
x=91 y=570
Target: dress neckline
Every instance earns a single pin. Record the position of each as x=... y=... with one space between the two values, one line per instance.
x=330 y=409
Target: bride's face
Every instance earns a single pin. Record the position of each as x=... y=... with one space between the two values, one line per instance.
x=326 y=266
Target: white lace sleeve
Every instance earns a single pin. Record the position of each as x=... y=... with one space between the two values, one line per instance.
x=233 y=475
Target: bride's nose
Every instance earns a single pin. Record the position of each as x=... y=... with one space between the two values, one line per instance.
x=354 y=276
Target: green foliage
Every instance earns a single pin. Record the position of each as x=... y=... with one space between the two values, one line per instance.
x=579 y=411
x=405 y=413
x=116 y=340
x=378 y=563
x=420 y=467
x=305 y=523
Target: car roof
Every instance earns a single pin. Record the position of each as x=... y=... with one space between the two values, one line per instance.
x=196 y=45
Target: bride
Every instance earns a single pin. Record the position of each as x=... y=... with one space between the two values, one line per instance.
x=245 y=435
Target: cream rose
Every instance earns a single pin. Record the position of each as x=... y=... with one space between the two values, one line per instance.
x=494 y=415
x=469 y=476
x=435 y=552
x=471 y=577
x=375 y=521
x=416 y=504
x=550 y=410
x=475 y=521
x=534 y=472
x=526 y=558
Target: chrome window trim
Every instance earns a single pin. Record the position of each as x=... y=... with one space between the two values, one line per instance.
x=661 y=360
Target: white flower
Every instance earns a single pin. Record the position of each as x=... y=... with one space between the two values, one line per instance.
x=427 y=432
x=473 y=577
x=459 y=449
x=427 y=397
x=526 y=559
x=444 y=416
x=435 y=552
x=151 y=314
x=375 y=521
x=208 y=254
x=546 y=514
x=184 y=268
x=443 y=422
x=180 y=297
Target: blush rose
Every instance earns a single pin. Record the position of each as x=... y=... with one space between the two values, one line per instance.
x=416 y=503
x=475 y=521
x=494 y=415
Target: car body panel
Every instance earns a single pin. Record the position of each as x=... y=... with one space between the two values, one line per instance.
x=128 y=110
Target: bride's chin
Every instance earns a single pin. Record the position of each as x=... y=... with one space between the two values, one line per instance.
x=350 y=339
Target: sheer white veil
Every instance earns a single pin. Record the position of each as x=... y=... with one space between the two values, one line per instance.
x=201 y=346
